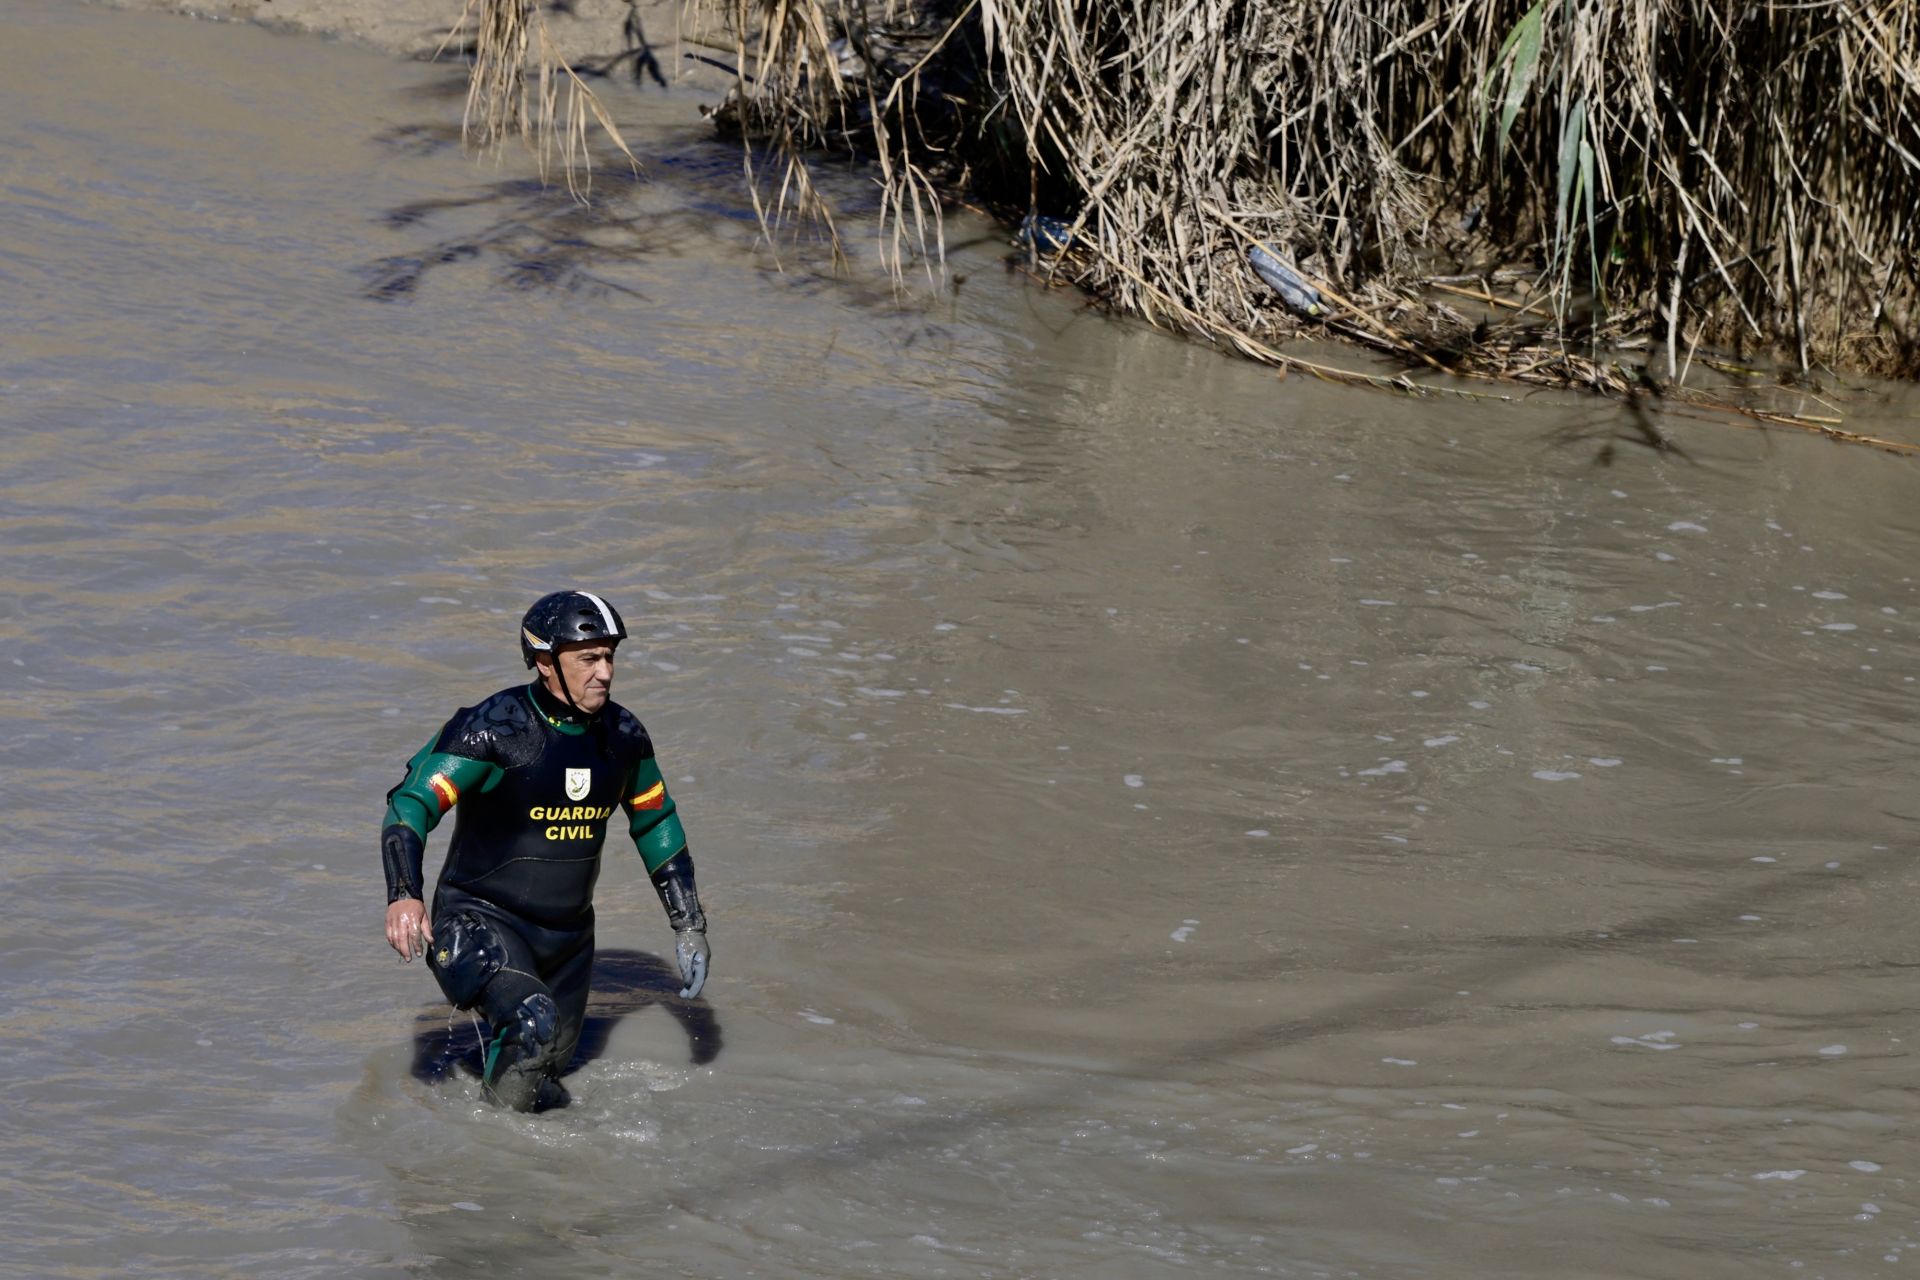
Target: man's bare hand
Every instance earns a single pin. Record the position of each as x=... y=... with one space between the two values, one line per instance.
x=407 y=929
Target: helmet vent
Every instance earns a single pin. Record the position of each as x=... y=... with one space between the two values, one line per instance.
x=606 y=614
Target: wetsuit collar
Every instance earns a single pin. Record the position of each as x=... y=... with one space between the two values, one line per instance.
x=565 y=719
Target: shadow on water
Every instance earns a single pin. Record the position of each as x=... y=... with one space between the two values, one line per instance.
x=540 y=237
x=691 y=187
x=1636 y=427
x=624 y=982
x=533 y=236
x=546 y=241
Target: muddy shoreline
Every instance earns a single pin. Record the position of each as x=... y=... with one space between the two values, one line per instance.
x=584 y=29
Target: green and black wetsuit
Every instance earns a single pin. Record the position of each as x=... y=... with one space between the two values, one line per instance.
x=534 y=786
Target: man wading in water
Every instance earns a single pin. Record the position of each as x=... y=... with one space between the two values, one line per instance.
x=537 y=772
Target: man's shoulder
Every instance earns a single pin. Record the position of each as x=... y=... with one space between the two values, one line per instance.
x=625 y=729
x=497 y=729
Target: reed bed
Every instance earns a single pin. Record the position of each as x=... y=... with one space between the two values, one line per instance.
x=1484 y=187
x=518 y=86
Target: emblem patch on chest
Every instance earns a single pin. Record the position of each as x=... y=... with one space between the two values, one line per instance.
x=579 y=782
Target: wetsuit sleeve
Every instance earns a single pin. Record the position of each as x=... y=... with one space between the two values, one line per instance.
x=434 y=783
x=674 y=883
x=662 y=843
x=652 y=820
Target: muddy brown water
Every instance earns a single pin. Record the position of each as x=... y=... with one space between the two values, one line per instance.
x=1157 y=820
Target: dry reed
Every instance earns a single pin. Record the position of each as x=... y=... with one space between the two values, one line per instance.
x=510 y=43
x=1693 y=175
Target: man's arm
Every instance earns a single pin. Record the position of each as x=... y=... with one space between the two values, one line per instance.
x=655 y=826
x=434 y=783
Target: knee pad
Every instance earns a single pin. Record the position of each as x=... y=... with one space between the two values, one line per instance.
x=465 y=953
x=523 y=1051
x=536 y=1023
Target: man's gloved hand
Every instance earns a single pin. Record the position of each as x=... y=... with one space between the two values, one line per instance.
x=690 y=949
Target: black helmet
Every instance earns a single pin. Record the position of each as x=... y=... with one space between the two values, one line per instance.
x=565 y=617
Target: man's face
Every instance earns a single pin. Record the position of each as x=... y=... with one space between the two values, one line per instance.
x=588 y=667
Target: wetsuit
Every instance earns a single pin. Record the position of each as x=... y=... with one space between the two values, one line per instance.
x=535 y=785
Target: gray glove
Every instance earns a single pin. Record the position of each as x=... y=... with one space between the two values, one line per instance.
x=690 y=949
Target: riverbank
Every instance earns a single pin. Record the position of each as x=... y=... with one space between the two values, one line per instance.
x=592 y=31
x=1509 y=189
x=1443 y=265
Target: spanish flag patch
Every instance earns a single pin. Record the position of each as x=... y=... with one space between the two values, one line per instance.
x=449 y=795
x=654 y=797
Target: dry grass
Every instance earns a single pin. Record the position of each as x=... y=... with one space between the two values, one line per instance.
x=1489 y=187
x=515 y=89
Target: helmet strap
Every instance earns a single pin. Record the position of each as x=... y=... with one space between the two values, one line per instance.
x=566 y=694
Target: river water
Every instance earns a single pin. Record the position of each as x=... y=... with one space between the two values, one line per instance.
x=1156 y=819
